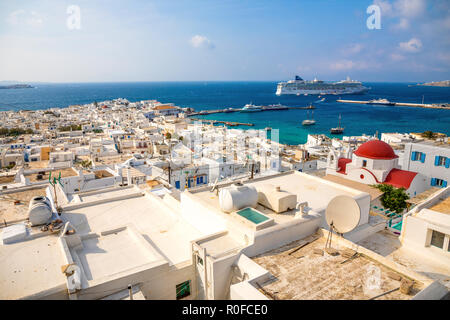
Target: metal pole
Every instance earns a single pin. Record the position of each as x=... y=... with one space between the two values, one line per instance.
x=130 y=291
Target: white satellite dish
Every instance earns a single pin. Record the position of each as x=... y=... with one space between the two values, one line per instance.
x=343 y=214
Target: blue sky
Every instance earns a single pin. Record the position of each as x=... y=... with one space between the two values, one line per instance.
x=197 y=40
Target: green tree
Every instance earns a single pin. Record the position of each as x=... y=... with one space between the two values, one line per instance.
x=428 y=134
x=393 y=198
x=86 y=164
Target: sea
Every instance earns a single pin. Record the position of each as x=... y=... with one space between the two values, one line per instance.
x=357 y=119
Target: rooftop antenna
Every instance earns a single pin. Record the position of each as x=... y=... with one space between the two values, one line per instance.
x=342 y=215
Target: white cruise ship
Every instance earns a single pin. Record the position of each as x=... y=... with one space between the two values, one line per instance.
x=300 y=86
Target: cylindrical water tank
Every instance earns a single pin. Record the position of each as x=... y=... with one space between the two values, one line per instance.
x=237 y=197
x=39 y=211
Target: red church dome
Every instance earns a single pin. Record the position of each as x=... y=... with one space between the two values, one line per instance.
x=376 y=149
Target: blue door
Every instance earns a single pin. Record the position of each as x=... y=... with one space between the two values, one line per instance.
x=177 y=184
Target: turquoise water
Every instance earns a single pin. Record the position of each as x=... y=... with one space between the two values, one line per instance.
x=252 y=215
x=357 y=119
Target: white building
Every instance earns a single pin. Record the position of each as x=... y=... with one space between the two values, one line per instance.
x=430 y=159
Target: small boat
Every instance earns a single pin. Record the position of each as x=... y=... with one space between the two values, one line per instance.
x=251 y=108
x=309 y=122
x=338 y=129
x=228 y=110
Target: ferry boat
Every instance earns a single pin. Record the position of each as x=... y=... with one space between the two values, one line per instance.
x=275 y=107
x=319 y=87
x=338 y=129
x=309 y=122
x=251 y=108
x=383 y=102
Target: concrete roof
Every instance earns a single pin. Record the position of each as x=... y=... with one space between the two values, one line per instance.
x=305 y=275
x=317 y=191
x=374 y=192
x=30 y=267
x=158 y=223
x=389 y=246
x=443 y=206
x=9 y=211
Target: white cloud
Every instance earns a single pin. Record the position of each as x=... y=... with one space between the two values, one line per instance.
x=14 y=17
x=353 y=49
x=402 y=25
x=385 y=6
x=413 y=45
x=349 y=65
x=35 y=19
x=410 y=8
x=199 y=41
x=19 y=17
x=397 y=57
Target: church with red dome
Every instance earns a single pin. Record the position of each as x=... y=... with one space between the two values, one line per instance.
x=374 y=162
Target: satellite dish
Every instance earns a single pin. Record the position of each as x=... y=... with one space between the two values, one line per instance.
x=343 y=213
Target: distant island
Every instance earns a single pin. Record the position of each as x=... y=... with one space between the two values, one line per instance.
x=16 y=86
x=445 y=83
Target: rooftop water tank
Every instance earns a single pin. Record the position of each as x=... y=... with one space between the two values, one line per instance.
x=39 y=211
x=237 y=196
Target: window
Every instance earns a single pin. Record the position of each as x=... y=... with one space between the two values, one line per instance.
x=418 y=156
x=438 y=182
x=437 y=239
x=440 y=161
x=199 y=260
x=183 y=289
x=364 y=163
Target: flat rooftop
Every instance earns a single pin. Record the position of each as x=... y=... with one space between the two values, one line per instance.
x=318 y=192
x=5 y=179
x=106 y=255
x=421 y=197
x=66 y=172
x=9 y=211
x=306 y=275
x=442 y=206
x=30 y=267
x=160 y=226
x=374 y=192
x=389 y=246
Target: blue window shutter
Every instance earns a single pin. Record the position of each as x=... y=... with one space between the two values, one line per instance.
x=422 y=157
x=413 y=156
x=206 y=180
x=447 y=163
x=436 y=160
x=433 y=181
x=444 y=184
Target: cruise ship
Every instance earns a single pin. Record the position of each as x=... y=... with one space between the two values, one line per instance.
x=300 y=86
